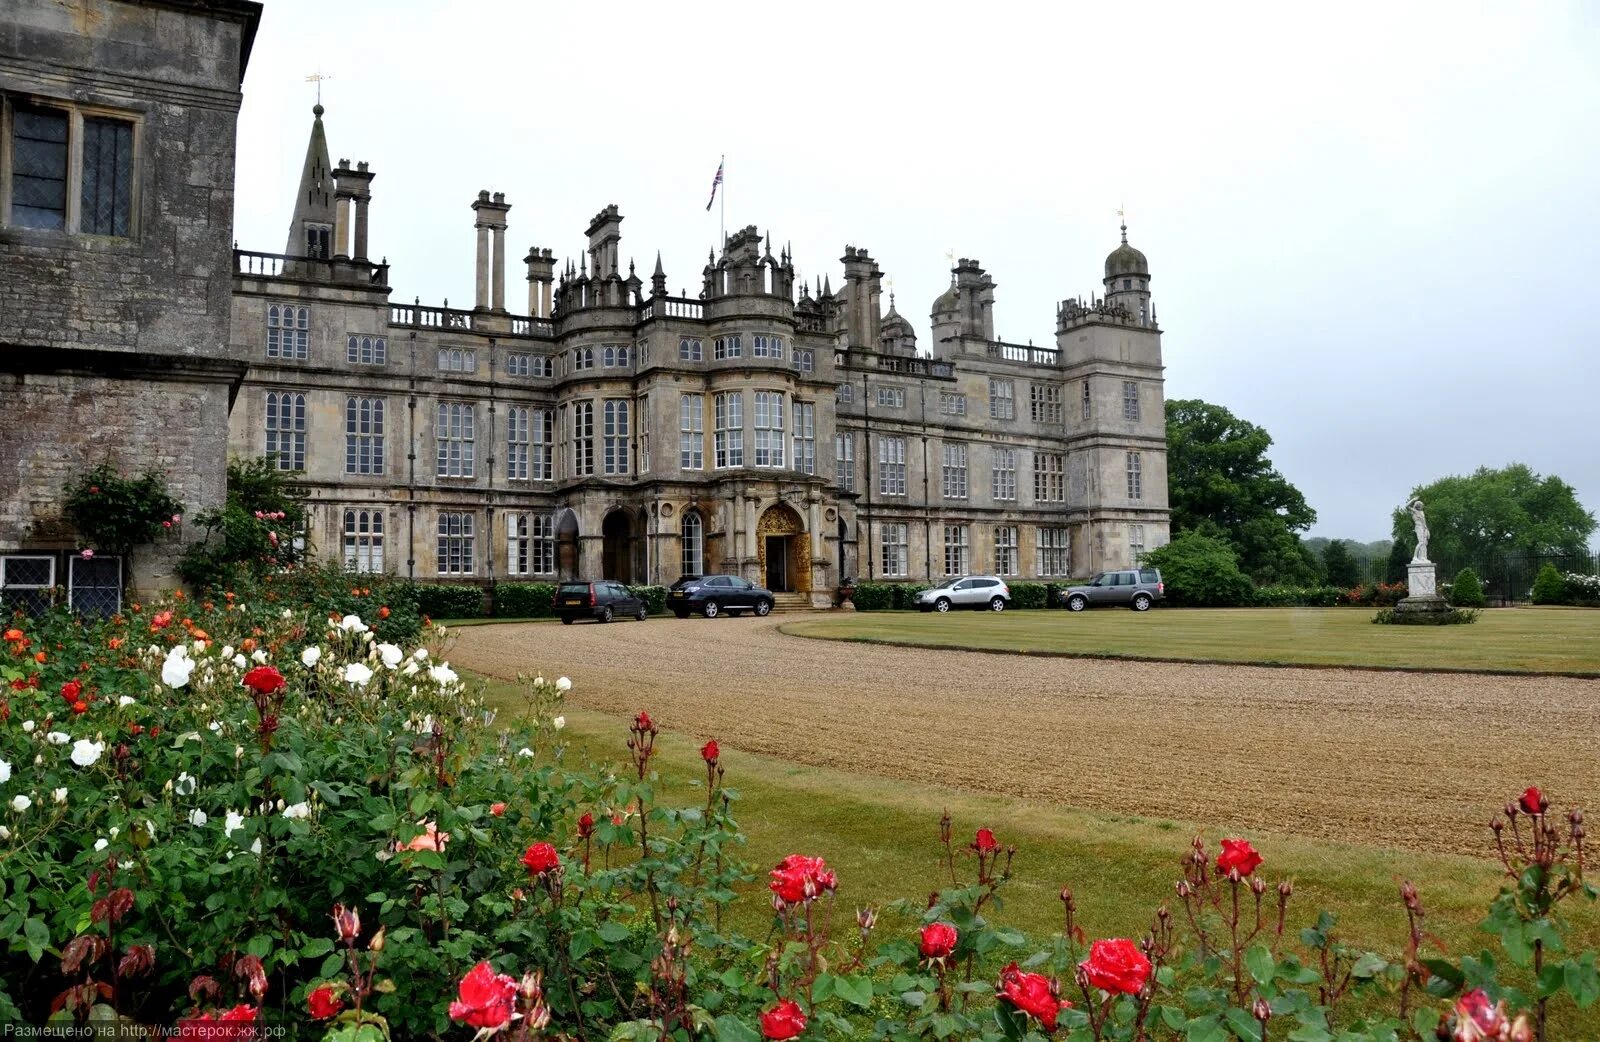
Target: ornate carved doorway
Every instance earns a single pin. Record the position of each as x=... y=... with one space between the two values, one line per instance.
x=785 y=557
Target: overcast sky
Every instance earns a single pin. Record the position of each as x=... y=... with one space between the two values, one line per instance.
x=1372 y=228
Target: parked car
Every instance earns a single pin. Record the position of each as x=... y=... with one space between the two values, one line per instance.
x=1138 y=588
x=712 y=595
x=598 y=599
x=978 y=592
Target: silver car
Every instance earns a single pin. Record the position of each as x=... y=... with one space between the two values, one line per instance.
x=978 y=592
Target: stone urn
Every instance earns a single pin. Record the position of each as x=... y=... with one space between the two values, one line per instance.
x=847 y=592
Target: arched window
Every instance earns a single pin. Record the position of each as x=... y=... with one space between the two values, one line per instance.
x=693 y=543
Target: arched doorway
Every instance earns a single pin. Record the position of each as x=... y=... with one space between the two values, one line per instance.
x=616 y=553
x=781 y=548
x=567 y=545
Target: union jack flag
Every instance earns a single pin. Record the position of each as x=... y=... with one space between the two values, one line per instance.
x=714 y=182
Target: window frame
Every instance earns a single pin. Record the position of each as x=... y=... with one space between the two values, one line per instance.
x=76 y=112
x=803 y=417
x=462 y=465
x=296 y=431
x=894 y=549
x=891 y=465
x=73 y=562
x=1135 y=464
x=298 y=331
x=362 y=536
x=957 y=549
x=1002 y=398
x=47 y=589
x=464 y=550
x=1001 y=489
x=767 y=422
x=1007 y=555
x=692 y=547
x=371 y=439
x=954 y=482
x=844 y=462
x=366 y=349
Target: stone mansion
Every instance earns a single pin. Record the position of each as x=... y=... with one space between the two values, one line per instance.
x=617 y=431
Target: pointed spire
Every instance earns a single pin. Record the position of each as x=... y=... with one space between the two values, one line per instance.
x=630 y=267
x=827 y=286
x=313 y=207
x=659 y=271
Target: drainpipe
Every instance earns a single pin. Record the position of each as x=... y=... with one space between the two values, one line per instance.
x=866 y=450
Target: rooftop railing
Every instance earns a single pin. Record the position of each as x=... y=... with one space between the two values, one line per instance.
x=255 y=264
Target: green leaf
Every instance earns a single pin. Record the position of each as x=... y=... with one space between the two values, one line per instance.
x=1425 y=1022
x=1583 y=983
x=1260 y=963
x=915 y=999
x=37 y=936
x=583 y=942
x=1369 y=966
x=730 y=1028
x=1205 y=1029
x=1310 y=1033
x=316 y=946
x=856 y=990
x=1446 y=971
x=612 y=932
x=1242 y=1024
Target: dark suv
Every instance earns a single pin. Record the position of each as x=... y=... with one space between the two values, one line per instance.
x=711 y=595
x=1138 y=588
x=601 y=600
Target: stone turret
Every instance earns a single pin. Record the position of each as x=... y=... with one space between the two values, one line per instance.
x=658 y=279
x=1127 y=282
x=311 y=228
x=897 y=337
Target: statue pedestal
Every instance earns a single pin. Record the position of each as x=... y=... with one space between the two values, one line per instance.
x=1422 y=588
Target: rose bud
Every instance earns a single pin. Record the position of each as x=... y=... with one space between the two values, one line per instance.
x=1285 y=889
x=1258 y=886
x=1262 y=1011
x=346 y=923
x=376 y=944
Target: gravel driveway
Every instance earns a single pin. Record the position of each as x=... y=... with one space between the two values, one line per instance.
x=1416 y=760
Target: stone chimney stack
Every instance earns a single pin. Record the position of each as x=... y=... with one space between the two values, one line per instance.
x=605 y=234
x=353 y=190
x=491 y=217
x=541 y=272
x=863 y=298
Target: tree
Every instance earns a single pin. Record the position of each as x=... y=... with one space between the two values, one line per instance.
x=1221 y=482
x=1492 y=514
x=258 y=530
x=1395 y=570
x=1341 y=567
x=1549 y=587
x=1200 y=570
x=1467 y=591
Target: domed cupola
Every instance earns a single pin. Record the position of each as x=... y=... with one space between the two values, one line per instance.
x=1128 y=282
x=1125 y=260
x=895 y=335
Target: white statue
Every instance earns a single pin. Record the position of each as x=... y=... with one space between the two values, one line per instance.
x=1421 y=522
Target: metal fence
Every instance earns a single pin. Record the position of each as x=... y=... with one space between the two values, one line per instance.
x=1509 y=580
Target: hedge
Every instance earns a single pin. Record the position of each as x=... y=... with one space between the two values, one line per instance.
x=524 y=600
x=1297 y=596
x=450 y=600
x=1028 y=595
x=654 y=597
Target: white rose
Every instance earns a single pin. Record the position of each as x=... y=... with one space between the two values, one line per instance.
x=150 y=827
x=287 y=613
x=58 y=738
x=563 y=684
x=214 y=727
x=443 y=675
x=538 y=681
x=5 y=772
x=411 y=668
x=28 y=726
x=232 y=822
x=101 y=844
x=421 y=654
x=185 y=784
x=310 y=656
x=126 y=700
x=259 y=656
x=357 y=674
x=175 y=671
x=20 y=803
x=197 y=817
x=59 y=795
x=199 y=646
x=391 y=655
x=559 y=722
x=86 y=753
x=352 y=624
x=227 y=651
x=525 y=752
x=255 y=848
x=297 y=810
x=240 y=661
x=5 y=833
x=115 y=831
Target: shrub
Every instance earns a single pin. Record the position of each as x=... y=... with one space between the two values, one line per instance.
x=1582 y=589
x=1467 y=591
x=1201 y=571
x=317 y=591
x=874 y=596
x=654 y=597
x=1549 y=587
x=254 y=534
x=905 y=595
x=1028 y=595
x=1449 y=617
x=1297 y=596
x=524 y=600
x=450 y=600
x=116 y=514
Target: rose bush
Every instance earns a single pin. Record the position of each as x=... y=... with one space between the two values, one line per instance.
x=254 y=809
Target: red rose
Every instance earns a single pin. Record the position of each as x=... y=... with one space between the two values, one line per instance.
x=383 y=612
x=784 y=1021
x=1487 y=1020
x=799 y=879
x=938 y=941
x=1532 y=800
x=264 y=680
x=323 y=1002
x=710 y=751
x=1238 y=856
x=586 y=826
x=486 y=998
x=1031 y=993
x=642 y=722
x=985 y=843
x=1116 y=965
x=73 y=688
x=541 y=858
x=240 y=1014
x=497 y=809
x=79 y=708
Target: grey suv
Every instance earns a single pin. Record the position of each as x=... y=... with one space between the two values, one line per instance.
x=979 y=592
x=1138 y=588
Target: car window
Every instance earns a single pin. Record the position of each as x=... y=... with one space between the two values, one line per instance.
x=987 y=583
x=1101 y=580
x=1149 y=575
x=575 y=589
x=1127 y=579
x=717 y=581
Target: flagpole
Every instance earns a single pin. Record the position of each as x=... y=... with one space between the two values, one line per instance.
x=722 y=214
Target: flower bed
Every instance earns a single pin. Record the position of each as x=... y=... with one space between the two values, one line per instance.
x=226 y=813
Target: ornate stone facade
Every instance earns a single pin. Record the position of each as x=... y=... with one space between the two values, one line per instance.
x=788 y=433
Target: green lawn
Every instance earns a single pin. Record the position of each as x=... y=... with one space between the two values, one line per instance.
x=1551 y=640
x=882 y=838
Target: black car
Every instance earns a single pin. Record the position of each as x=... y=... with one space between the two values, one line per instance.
x=711 y=595
x=601 y=600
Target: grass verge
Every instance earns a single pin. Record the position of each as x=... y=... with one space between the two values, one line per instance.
x=1506 y=640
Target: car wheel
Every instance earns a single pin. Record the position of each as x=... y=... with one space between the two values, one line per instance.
x=997 y=604
x=1077 y=602
x=566 y=620
x=710 y=609
x=605 y=615
x=763 y=607
x=1141 y=602
x=641 y=614
x=941 y=605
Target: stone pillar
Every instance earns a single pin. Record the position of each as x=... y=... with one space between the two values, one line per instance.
x=590 y=550
x=341 y=224
x=750 y=549
x=814 y=527
x=482 y=296
x=499 y=285
x=361 y=228
x=354 y=190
